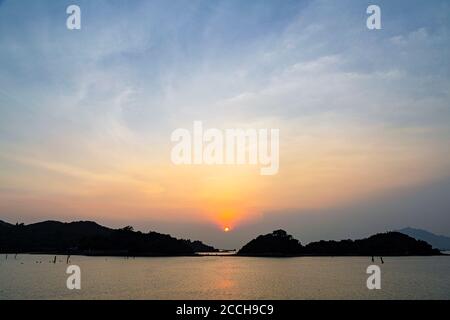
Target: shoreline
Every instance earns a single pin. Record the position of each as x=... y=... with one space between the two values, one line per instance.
x=201 y=255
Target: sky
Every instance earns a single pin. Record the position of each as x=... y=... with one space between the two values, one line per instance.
x=364 y=115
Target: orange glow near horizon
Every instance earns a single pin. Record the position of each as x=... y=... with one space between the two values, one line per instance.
x=171 y=140
x=333 y=171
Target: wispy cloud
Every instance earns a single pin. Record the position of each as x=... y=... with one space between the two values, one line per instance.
x=357 y=109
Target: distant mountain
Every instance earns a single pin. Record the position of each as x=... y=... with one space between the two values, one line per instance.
x=90 y=238
x=279 y=243
x=436 y=241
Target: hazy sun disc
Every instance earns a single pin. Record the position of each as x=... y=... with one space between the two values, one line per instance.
x=226 y=229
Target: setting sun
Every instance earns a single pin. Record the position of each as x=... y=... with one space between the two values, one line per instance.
x=226 y=229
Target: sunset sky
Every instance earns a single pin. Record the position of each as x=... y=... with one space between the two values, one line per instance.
x=364 y=115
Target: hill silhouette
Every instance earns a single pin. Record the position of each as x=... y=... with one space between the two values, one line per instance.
x=438 y=242
x=90 y=238
x=279 y=243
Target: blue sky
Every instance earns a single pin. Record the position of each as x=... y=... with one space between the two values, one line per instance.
x=75 y=103
x=158 y=46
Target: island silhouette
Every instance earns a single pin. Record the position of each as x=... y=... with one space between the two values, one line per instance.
x=90 y=238
x=279 y=243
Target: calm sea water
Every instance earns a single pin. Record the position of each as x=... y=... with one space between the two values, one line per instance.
x=213 y=277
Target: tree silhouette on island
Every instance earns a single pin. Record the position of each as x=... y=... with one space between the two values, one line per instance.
x=90 y=238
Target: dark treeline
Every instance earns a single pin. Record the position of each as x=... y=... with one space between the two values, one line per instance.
x=279 y=243
x=90 y=238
